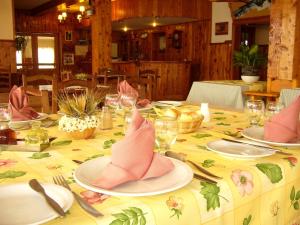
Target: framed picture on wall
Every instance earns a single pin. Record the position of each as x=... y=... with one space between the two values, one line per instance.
x=68 y=36
x=221 y=28
x=68 y=59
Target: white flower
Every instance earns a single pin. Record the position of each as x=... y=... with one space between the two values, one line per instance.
x=70 y=124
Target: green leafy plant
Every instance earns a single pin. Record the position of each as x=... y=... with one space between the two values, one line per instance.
x=21 y=43
x=295 y=197
x=249 y=59
x=82 y=105
x=272 y=171
x=130 y=216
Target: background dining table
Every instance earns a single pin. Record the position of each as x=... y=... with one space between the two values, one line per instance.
x=223 y=93
x=252 y=192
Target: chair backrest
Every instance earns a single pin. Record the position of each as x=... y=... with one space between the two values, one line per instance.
x=107 y=73
x=31 y=83
x=65 y=75
x=39 y=100
x=275 y=85
x=5 y=79
x=152 y=79
x=143 y=85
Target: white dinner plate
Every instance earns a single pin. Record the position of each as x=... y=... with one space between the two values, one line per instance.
x=148 y=107
x=41 y=116
x=180 y=176
x=167 y=103
x=237 y=150
x=20 y=205
x=257 y=134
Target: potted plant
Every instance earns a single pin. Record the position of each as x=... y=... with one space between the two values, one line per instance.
x=21 y=43
x=79 y=118
x=250 y=60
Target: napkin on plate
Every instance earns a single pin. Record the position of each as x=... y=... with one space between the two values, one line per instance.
x=124 y=88
x=133 y=157
x=18 y=105
x=285 y=126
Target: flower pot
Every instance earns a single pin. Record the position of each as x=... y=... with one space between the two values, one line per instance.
x=86 y=134
x=250 y=79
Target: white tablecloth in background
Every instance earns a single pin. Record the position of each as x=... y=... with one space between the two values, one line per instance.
x=288 y=95
x=219 y=94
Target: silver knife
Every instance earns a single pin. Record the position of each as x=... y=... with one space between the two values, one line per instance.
x=183 y=159
x=35 y=185
x=257 y=145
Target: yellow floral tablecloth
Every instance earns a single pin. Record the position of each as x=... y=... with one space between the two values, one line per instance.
x=252 y=192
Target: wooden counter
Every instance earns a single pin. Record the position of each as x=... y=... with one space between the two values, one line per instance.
x=174 y=77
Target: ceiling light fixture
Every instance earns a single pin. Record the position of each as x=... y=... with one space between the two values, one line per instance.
x=79 y=17
x=154 y=24
x=64 y=15
x=125 y=29
x=81 y=9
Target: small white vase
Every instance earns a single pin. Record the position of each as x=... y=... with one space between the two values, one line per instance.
x=250 y=79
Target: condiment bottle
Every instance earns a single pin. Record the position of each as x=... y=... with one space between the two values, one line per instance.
x=7 y=135
x=106 y=119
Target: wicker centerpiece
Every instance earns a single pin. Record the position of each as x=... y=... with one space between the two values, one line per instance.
x=188 y=120
x=79 y=120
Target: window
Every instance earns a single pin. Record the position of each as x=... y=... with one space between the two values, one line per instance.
x=39 y=53
x=46 y=49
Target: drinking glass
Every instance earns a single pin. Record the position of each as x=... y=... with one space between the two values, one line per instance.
x=4 y=113
x=255 y=111
x=112 y=101
x=272 y=109
x=166 y=131
x=127 y=102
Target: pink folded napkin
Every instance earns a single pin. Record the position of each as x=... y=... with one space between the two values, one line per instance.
x=285 y=126
x=18 y=105
x=125 y=88
x=133 y=157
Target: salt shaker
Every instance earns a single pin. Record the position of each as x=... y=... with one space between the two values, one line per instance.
x=106 y=119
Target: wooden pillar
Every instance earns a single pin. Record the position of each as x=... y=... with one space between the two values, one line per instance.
x=101 y=35
x=284 y=48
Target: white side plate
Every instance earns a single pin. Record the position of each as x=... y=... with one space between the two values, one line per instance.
x=20 y=205
x=238 y=151
x=179 y=177
x=257 y=134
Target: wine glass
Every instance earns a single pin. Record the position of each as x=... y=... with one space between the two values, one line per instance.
x=127 y=102
x=4 y=113
x=112 y=101
x=272 y=109
x=255 y=111
x=166 y=131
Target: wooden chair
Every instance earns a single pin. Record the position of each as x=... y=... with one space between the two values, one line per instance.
x=31 y=86
x=5 y=79
x=108 y=74
x=143 y=86
x=149 y=77
x=273 y=89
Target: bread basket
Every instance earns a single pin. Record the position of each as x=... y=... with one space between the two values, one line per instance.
x=185 y=127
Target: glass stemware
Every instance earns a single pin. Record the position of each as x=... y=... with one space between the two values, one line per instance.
x=255 y=111
x=128 y=102
x=112 y=101
x=272 y=109
x=166 y=131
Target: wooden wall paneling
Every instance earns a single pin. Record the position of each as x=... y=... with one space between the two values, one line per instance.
x=220 y=61
x=167 y=8
x=8 y=54
x=284 y=44
x=101 y=36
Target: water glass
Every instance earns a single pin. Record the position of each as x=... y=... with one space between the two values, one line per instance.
x=4 y=112
x=112 y=101
x=272 y=109
x=127 y=102
x=166 y=131
x=255 y=111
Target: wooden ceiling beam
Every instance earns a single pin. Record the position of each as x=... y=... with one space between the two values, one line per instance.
x=50 y=5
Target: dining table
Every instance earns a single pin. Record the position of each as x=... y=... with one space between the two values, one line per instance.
x=223 y=93
x=259 y=191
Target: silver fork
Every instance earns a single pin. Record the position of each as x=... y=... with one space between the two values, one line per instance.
x=60 y=180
